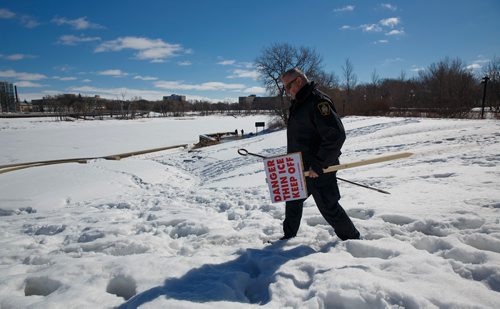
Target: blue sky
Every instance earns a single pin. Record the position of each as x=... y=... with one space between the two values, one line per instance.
x=206 y=49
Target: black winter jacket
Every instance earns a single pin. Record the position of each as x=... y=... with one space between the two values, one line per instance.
x=315 y=129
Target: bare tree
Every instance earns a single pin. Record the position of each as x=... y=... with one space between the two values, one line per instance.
x=402 y=75
x=492 y=70
x=448 y=85
x=372 y=91
x=123 y=94
x=326 y=80
x=350 y=80
x=375 y=78
x=280 y=57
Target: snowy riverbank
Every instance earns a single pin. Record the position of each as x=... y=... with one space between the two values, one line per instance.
x=183 y=229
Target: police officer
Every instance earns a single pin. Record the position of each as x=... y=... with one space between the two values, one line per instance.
x=315 y=130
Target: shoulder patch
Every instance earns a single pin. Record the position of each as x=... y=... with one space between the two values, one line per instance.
x=324 y=108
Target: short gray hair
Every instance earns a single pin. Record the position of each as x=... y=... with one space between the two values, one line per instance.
x=295 y=72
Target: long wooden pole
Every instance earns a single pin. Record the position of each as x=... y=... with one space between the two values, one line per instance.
x=379 y=159
x=19 y=166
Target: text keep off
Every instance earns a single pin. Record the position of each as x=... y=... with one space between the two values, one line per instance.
x=285 y=177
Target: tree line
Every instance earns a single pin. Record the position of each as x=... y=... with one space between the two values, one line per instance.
x=446 y=88
x=71 y=105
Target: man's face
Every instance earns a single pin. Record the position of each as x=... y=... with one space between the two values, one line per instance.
x=292 y=84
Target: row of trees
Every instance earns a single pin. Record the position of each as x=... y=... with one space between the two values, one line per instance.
x=446 y=89
x=64 y=105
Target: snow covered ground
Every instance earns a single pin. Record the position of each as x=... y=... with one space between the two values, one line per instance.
x=188 y=229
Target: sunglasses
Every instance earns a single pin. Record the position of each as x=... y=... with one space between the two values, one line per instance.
x=288 y=86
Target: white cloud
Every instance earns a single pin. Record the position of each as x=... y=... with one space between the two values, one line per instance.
x=381 y=42
x=245 y=67
x=63 y=68
x=113 y=72
x=127 y=93
x=416 y=69
x=152 y=95
x=17 y=57
x=395 y=32
x=248 y=65
x=347 y=8
x=239 y=73
x=389 y=6
x=113 y=93
x=67 y=78
x=26 y=20
x=29 y=22
x=211 y=100
x=390 y=22
x=371 y=28
x=227 y=62
x=255 y=90
x=392 y=60
x=482 y=61
x=73 y=40
x=28 y=84
x=380 y=26
x=145 y=77
x=160 y=53
x=21 y=75
x=6 y=14
x=137 y=43
x=209 y=86
x=148 y=49
x=184 y=63
x=34 y=96
x=79 y=24
x=473 y=67
x=86 y=80
x=477 y=64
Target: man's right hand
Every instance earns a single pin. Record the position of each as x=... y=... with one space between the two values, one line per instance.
x=312 y=173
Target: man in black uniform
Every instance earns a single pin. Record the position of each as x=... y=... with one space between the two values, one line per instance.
x=315 y=130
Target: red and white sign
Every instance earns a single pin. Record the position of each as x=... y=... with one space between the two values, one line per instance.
x=285 y=177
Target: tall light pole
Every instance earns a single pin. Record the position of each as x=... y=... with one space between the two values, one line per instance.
x=484 y=81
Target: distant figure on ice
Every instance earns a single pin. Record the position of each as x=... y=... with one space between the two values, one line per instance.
x=315 y=130
x=242 y=132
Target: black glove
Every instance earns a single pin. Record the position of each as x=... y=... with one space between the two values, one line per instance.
x=315 y=166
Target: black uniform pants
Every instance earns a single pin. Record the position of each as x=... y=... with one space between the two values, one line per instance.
x=325 y=192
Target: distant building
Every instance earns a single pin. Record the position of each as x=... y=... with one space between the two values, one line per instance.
x=25 y=107
x=39 y=105
x=175 y=97
x=247 y=100
x=8 y=97
x=262 y=102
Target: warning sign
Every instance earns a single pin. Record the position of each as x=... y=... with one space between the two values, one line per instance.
x=285 y=177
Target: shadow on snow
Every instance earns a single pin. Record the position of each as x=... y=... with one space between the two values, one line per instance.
x=245 y=279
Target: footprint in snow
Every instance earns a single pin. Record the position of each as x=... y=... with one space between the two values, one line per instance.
x=361 y=249
x=397 y=219
x=359 y=213
x=42 y=286
x=449 y=250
